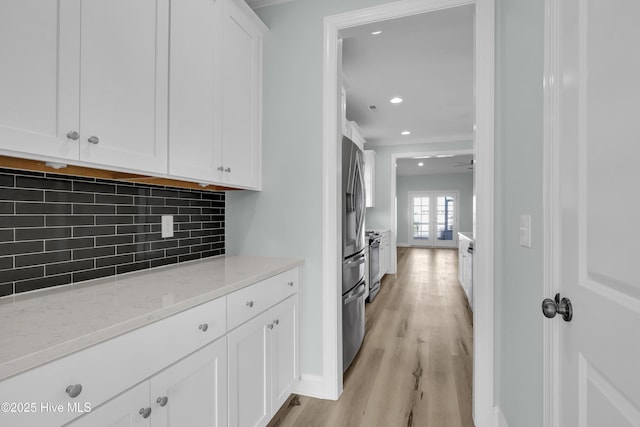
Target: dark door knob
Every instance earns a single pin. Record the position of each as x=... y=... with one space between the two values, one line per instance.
x=551 y=307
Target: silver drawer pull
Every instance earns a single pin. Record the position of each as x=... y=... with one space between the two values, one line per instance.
x=277 y=322
x=74 y=390
x=203 y=327
x=270 y=326
x=249 y=304
x=162 y=401
x=93 y=140
x=145 y=412
x=290 y=284
x=73 y=135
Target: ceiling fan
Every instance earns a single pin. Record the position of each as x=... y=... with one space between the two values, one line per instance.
x=470 y=164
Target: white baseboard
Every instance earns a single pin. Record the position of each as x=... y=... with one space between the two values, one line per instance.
x=498 y=418
x=312 y=386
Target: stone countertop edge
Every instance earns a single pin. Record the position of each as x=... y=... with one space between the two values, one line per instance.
x=466 y=234
x=16 y=365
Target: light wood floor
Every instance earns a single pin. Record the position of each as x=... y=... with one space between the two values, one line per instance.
x=414 y=367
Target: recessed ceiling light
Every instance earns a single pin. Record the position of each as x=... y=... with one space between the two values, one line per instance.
x=444 y=155
x=420 y=164
x=375 y=33
x=405 y=132
x=396 y=100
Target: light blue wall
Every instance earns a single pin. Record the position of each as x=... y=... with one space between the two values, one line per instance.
x=379 y=216
x=461 y=182
x=285 y=219
x=519 y=134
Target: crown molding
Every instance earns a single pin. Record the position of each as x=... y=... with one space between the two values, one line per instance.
x=256 y=4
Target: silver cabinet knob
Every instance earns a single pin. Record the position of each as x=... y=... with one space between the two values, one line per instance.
x=221 y=168
x=227 y=170
x=74 y=390
x=290 y=284
x=270 y=326
x=93 y=139
x=203 y=327
x=162 y=401
x=73 y=135
x=277 y=322
x=145 y=412
x=249 y=304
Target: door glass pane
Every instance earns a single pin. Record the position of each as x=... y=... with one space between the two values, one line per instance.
x=445 y=217
x=421 y=218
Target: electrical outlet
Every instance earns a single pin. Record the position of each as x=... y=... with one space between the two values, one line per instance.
x=167 y=226
x=525 y=231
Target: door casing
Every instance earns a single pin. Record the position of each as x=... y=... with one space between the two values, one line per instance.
x=329 y=385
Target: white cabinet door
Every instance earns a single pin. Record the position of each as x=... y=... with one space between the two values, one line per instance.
x=39 y=84
x=193 y=391
x=284 y=350
x=241 y=95
x=249 y=354
x=123 y=83
x=194 y=124
x=122 y=411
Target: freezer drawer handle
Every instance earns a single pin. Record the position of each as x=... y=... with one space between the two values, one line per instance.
x=355 y=294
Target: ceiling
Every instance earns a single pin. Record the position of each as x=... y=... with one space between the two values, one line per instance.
x=425 y=59
x=256 y=4
x=434 y=166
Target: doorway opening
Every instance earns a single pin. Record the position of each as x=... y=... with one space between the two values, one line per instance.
x=483 y=202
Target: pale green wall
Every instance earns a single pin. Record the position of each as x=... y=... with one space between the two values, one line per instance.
x=379 y=216
x=285 y=219
x=461 y=182
x=519 y=133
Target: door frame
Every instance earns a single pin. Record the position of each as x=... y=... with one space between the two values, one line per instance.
x=483 y=377
x=433 y=195
x=551 y=213
x=393 y=218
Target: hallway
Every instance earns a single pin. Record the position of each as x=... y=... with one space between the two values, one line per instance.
x=414 y=367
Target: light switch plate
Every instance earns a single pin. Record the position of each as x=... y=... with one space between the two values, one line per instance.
x=167 y=226
x=525 y=231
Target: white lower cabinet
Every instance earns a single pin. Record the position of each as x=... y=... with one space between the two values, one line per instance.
x=263 y=364
x=192 y=392
x=230 y=361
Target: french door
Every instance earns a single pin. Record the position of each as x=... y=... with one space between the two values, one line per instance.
x=433 y=218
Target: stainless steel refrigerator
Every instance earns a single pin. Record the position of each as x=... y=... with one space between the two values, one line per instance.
x=353 y=251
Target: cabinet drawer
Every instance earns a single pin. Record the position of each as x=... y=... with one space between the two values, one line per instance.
x=106 y=369
x=248 y=302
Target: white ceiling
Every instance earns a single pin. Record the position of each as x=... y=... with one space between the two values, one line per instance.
x=425 y=59
x=435 y=166
x=256 y=4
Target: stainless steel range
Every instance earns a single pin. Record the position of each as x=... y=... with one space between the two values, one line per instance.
x=374 y=264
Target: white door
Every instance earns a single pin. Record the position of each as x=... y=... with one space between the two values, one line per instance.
x=194 y=125
x=193 y=391
x=433 y=219
x=249 y=372
x=597 y=211
x=284 y=350
x=242 y=74
x=123 y=83
x=39 y=93
x=129 y=409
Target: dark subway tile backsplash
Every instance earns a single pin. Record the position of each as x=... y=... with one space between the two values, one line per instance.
x=56 y=230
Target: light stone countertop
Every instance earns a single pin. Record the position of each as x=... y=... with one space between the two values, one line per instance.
x=41 y=326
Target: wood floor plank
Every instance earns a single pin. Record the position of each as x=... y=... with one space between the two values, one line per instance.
x=415 y=364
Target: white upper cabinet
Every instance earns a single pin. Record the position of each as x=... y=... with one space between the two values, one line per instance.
x=241 y=94
x=39 y=92
x=195 y=151
x=215 y=118
x=123 y=83
x=85 y=80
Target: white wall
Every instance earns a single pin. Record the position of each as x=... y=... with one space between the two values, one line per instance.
x=460 y=182
x=519 y=136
